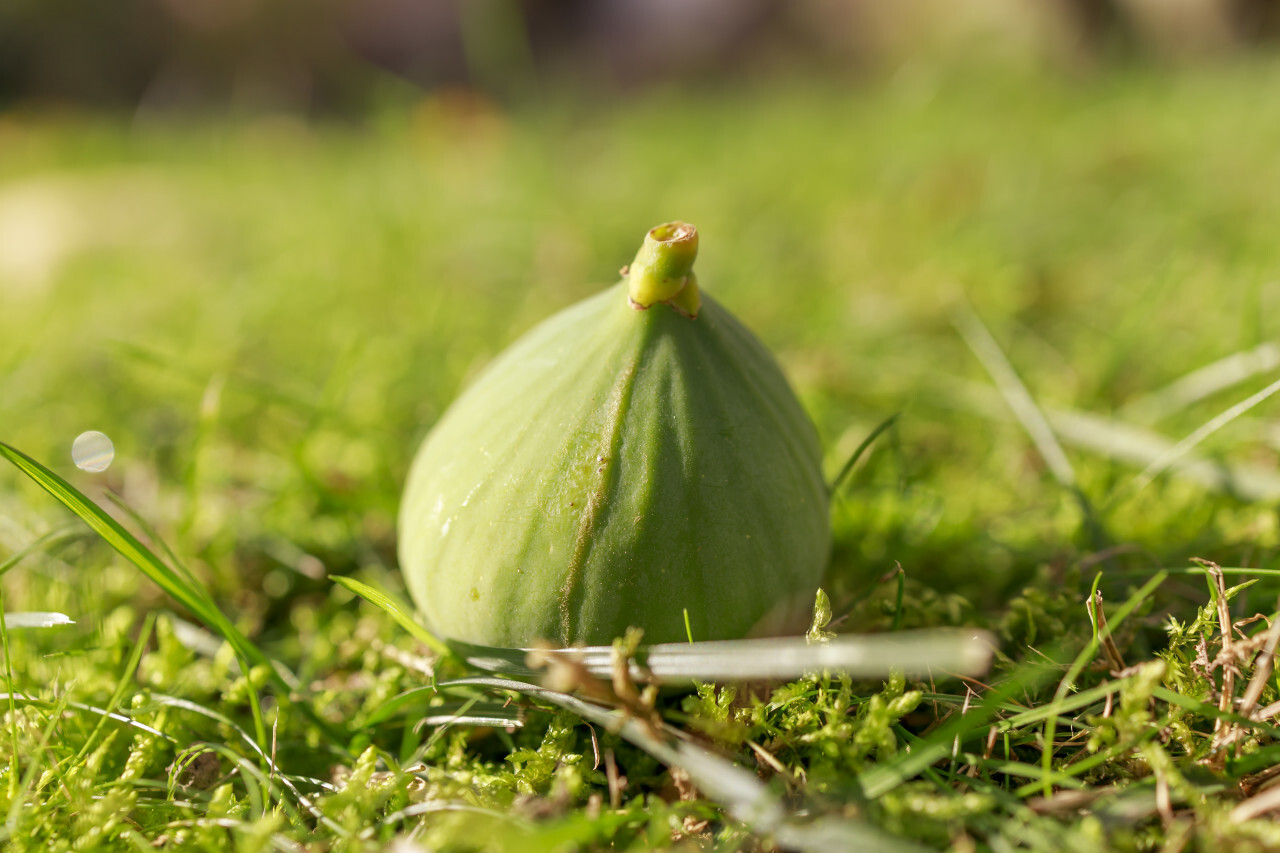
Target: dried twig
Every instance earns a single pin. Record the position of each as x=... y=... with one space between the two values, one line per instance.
x=1227 y=698
x=616 y=783
x=1109 y=648
x=1069 y=801
x=772 y=761
x=1263 y=668
x=1164 y=804
x=1257 y=806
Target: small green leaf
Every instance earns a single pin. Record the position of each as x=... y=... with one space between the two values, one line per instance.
x=818 y=632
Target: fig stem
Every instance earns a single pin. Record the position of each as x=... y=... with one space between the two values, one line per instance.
x=663 y=269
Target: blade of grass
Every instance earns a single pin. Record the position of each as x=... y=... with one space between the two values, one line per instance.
x=1265 y=758
x=495 y=715
x=897 y=601
x=189 y=594
x=398 y=611
x=1020 y=401
x=19 y=799
x=1017 y=769
x=1056 y=707
x=1184 y=570
x=261 y=787
x=1163 y=462
x=122 y=540
x=942 y=741
x=1204 y=382
x=1137 y=446
x=1190 y=703
x=862 y=448
x=13 y=715
x=122 y=684
x=509 y=662
x=206 y=426
x=1065 y=776
x=259 y=390
x=1028 y=412
x=43 y=543
x=1125 y=442
x=158 y=542
x=1088 y=653
x=432 y=806
x=500 y=718
x=23 y=699
x=264 y=757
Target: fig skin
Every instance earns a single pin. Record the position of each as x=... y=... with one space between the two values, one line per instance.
x=614 y=467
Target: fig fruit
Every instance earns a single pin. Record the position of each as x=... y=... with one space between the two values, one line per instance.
x=634 y=457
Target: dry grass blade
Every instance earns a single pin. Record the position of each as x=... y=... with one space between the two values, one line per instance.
x=1020 y=401
x=924 y=653
x=1227 y=699
x=1257 y=805
x=1263 y=669
x=1204 y=382
x=1138 y=446
x=37 y=619
x=917 y=653
x=1162 y=463
x=1131 y=444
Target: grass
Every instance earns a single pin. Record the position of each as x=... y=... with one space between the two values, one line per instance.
x=1067 y=288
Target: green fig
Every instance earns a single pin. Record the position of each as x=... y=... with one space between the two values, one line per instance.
x=635 y=458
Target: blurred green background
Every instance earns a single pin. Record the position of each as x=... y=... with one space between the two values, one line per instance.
x=262 y=246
